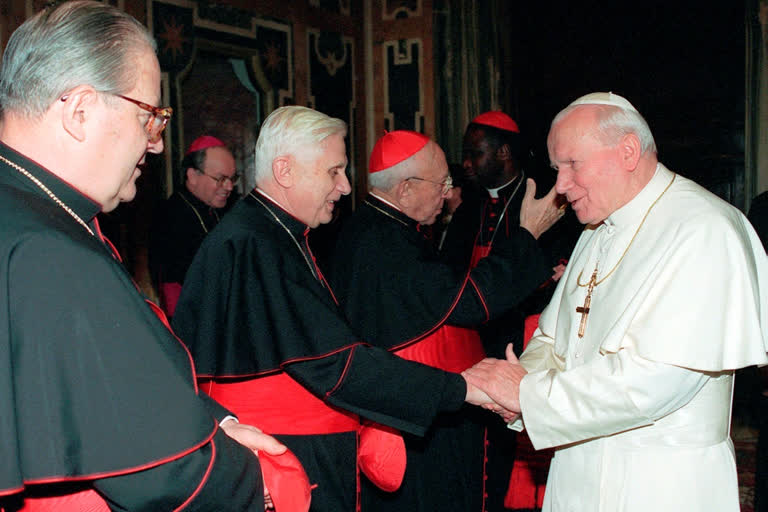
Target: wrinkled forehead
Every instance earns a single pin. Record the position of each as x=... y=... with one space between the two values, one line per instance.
x=437 y=165
x=577 y=125
x=146 y=74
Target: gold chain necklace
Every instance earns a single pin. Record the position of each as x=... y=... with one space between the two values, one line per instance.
x=199 y=218
x=277 y=219
x=48 y=191
x=578 y=279
x=593 y=281
x=385 y=213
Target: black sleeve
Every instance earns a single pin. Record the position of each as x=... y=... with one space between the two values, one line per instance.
x=218 y=411
x=515 y=267
x=380 y=386
x=220 y=476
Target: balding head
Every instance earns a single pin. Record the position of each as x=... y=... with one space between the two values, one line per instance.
x=416 y=185
x=602 y=161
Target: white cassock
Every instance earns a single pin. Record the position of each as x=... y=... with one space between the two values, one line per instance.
x=640 y=407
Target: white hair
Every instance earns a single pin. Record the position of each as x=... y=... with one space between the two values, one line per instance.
x=75 y=43
x=292 y=130
x=613 y=122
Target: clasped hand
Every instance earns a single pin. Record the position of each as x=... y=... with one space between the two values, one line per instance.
x=494 y=384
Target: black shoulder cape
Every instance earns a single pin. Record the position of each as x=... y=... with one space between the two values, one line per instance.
x=395 y=289
x=92 y=384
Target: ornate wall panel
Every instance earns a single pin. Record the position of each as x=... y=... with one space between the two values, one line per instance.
x=226 y=70
x=331 y=81
x=392 y=9
x=403 y=93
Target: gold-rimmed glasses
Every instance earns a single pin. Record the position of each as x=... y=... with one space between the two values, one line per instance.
x=447 y=183
x=158 y=118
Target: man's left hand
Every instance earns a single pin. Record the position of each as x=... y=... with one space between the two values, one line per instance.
x=538 y=215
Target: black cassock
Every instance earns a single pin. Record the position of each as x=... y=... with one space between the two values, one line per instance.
x=95 y=392
x=182 y=221
x=254 y=304
x=396 y=292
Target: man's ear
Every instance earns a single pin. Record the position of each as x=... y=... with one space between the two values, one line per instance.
x=630 y=151
x=283 y=171
x=192 y=175
x=403 y=193
x=77 y=110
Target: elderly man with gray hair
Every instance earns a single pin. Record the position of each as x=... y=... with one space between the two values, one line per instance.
x=269 y=340
x=99 y=408
x=630 y=373
x=400 y=296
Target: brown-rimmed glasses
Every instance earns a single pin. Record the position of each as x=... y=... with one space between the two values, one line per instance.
x=157 y=120
x=447 y=183
x=220 y=180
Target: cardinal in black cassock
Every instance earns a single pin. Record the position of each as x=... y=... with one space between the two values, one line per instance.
x=266 y=332
x=400 y=296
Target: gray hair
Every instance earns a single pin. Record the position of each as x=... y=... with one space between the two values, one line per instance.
x=292 y=130
x=412 y=166
x=613 y=122
x=61 y=47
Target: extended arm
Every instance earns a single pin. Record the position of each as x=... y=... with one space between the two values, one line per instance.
x=614 y=393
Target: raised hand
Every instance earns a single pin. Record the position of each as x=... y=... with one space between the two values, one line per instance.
x=538 y=215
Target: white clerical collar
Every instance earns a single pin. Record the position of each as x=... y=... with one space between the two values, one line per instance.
x=635 y=209
x=385 y=201
x=260 y=191
x=494 y=192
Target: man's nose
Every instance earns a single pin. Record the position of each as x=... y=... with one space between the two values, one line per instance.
x=342 y=184
x=564 y=182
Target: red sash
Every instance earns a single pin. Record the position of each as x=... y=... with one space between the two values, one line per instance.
x=450 y=348
x=295 y=411
x=277 y=404
x=84 y=501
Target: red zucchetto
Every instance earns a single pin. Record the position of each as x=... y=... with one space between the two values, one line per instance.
x=204 y=142
x=497 y=119
x=394 y=147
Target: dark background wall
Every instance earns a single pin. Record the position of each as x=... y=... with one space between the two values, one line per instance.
x=681 y=63
x=433 y=65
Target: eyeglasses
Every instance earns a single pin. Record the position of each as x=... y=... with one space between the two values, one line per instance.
x=221 y=179
x=157 y=120
x=447 y=183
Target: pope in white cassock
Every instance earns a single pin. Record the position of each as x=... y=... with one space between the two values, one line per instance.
x=630 y=373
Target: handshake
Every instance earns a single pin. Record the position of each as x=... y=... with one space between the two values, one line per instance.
x=494 y=384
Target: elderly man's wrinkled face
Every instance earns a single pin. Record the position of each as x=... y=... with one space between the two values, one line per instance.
x=124 y=140
x=588 y=170
x=426 y=192
x=321 y=181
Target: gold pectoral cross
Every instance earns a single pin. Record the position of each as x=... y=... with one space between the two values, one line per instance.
x=584 y=310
